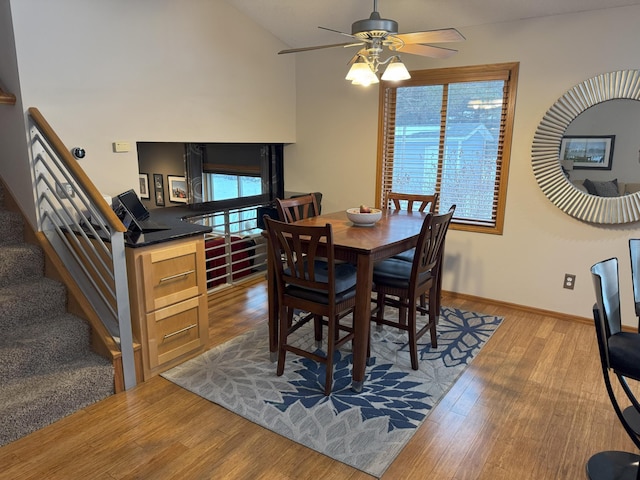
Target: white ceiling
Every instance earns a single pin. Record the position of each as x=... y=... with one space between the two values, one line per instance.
x=295 y=22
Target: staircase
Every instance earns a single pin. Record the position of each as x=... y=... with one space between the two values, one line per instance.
x=47 y=367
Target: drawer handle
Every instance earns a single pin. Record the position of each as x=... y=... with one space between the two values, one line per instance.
x=176 y=276
x=185 y=329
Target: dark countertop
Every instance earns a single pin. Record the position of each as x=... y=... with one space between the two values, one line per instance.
x=172 y=217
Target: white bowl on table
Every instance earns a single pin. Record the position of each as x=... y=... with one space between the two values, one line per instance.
x=360 y=219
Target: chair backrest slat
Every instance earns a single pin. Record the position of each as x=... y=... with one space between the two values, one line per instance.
x=430 y=246
x=607 y=286
x=606 y=311
x=297 y=208
x=295 y=249
x=421 y=201
x=634 y=253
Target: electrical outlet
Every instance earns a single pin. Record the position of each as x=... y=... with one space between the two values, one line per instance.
x=569 y=281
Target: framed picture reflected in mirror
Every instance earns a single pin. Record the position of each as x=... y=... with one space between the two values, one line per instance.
x=158 y=189
x=588 y=152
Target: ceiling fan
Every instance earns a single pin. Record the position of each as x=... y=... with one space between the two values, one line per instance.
x=374 y=34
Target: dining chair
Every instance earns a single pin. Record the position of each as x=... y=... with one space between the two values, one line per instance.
x=399 y=200
x=634 y=253
x=322 y=287
x=297 y=208
x=407 y=281
x=619 y=358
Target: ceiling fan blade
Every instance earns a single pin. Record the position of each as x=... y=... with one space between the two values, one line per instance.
x=338 y=31
x=432 y=36
x=319 y=47
x=427 y=51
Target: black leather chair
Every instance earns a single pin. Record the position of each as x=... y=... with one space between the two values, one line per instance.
x=634 y=253
x=322 y=287
x=620 y=358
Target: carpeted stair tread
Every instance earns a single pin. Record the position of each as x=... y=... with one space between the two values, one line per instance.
x=45 y=297
x=12 y=227
x=40 y=400
x=20 y=262
x=37 y=348
x=47 y=367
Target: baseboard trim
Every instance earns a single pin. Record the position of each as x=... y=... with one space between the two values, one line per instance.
x=522 y=308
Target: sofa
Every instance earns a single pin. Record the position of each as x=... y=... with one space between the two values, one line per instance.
x=608 y=188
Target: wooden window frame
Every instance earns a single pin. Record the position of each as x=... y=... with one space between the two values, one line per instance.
x=501 y=71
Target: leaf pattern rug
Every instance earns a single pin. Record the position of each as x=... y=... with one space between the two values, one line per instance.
x=365 y=430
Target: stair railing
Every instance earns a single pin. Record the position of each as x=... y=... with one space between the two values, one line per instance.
x=6 y=98
x=241 y=250
x=85 y=233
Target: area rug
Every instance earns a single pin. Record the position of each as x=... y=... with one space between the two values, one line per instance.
x=365 y=430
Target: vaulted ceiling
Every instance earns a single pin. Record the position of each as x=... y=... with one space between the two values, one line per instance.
x=295 y=22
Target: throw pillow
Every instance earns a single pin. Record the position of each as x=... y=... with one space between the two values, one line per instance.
x=591 y=188
x=607 y=189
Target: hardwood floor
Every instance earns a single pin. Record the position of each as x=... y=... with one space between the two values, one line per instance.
x=532 y=405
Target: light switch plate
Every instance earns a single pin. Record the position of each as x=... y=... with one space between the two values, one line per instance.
x=120 y=147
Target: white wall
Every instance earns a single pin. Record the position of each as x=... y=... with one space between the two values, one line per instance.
x=14 y=163
x=150 y=70
x=337 y=144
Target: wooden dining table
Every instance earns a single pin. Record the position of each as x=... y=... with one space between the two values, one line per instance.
x=362 y=246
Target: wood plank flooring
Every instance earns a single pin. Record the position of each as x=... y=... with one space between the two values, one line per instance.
x=532 y=405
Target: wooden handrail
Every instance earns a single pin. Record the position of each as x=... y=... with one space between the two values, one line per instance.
x=7 y=98
x=76 y=171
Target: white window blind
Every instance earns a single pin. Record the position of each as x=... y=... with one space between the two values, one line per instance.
x=448 y=131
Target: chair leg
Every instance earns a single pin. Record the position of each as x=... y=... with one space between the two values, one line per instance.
x=437 y=293
x=286 y=319
x=331 y=343
x=380 y=312
x=413 y=340
x=433 y=320
x=403 y=312
x=317 y=326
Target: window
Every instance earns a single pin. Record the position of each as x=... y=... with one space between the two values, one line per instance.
x=449 y=131
x=223 y=186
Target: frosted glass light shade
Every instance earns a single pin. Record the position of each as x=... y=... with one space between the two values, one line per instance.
x=360 y=74
x=396 y=71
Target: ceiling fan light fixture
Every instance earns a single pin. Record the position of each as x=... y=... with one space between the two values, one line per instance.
x=376 y=35
x=360 y=73
x=366 y=79
x=396 y=71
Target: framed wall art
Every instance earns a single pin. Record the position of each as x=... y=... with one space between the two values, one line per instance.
x=588 y=152
x=158 y=189
x=177 y=189
x=144 y=185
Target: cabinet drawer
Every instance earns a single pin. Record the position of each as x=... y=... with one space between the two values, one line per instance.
x=172 y=274
x=176 y=330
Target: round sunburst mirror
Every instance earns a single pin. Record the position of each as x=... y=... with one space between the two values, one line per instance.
x=547 y=141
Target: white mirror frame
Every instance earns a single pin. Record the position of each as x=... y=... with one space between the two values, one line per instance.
x=545 y=151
